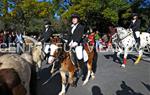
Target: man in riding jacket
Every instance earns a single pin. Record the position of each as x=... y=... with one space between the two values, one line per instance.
x=45 y=36
x=135 y=26
x=75 y=38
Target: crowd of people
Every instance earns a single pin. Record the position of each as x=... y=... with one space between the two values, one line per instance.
x=10 y=38
x=7 y=37
x=95 y=40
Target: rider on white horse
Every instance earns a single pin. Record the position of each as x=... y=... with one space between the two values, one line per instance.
x=135 y=26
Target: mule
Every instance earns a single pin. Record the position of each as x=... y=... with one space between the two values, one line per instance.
x=124 y=40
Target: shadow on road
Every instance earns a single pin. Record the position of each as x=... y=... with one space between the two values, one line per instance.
x=126 y=90
x=114 y=57
x=96 y=90
x=52 y=87
x=146 y=85
x=119 y=61
x=95 y=62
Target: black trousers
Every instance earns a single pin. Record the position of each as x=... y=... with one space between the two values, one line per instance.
x=137 y=39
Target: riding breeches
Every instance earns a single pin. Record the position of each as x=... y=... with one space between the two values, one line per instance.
x=46 y=48
x=136 y=35
x=81 y=53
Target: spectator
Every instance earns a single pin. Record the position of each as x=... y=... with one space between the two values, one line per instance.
x=13 y=37
x=1 y=38
x=91 y=38
x=5 y=39
x=97 y=40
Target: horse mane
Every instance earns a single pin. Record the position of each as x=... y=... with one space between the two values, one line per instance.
x=30 y=38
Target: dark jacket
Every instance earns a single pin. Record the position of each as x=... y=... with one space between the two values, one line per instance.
x=135 y=26
x=45 y=36
x=77 y=34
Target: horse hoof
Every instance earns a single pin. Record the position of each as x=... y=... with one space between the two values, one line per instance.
x=93 y=77
x=61 y=94
x=52 y=71
x=123 y=65
x=136 y=63
x=84 y=83
x=73 y=85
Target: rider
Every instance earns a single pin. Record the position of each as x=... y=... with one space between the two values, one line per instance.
x=75 y=38
x=45 y=36
x=135 y=26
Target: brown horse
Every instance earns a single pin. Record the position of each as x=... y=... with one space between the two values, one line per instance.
x=10 y=83
x=20 y=65
x=67 y=66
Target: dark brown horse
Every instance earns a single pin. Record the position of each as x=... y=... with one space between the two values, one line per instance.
x=10 y=83
x=20 y=65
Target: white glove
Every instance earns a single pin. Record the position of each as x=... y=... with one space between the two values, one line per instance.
x=74 y=44
x=65 y=41
x=70 y=44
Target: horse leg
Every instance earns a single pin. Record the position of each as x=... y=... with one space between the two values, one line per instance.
x=125 y=57
x=52 y=70
x=63 y=88
x=71 y=78
x=88 y=74
x=92 y=75
x=38 y=68
x=139 y=56
x=119 y=57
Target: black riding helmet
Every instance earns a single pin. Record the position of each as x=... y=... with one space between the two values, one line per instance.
x=134 y=14
x=75 y=16
x=47 y=22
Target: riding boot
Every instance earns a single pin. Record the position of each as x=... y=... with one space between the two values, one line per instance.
x=138 y=42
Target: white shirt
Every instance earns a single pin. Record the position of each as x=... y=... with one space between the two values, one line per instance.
x=133 y=21
x=73 y=28
x=46 y=29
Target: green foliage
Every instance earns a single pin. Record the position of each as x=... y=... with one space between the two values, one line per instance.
x=28 y=15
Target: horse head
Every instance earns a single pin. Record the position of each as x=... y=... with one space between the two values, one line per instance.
x=54 y=53
x=36 y=50
x=122 y=32
x=120 y=29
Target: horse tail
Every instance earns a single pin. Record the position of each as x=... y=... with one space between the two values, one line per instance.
x=58 y=71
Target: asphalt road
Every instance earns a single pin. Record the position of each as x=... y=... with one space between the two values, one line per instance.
x=111 y=79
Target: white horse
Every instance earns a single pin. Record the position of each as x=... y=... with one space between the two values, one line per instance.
x=124 y=41
x=37 y=52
